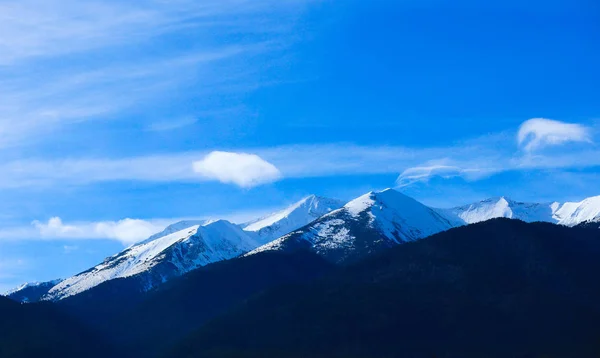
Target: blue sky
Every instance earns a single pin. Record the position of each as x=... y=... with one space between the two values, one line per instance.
x=116 y=119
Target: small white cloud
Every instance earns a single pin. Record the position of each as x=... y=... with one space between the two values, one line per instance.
x=242 y=169
x=127 y=231
x=55 y=227
x=537 y=133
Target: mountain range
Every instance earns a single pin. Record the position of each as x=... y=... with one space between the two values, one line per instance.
x=338 y=232
x=500 y=288
x=380 y=276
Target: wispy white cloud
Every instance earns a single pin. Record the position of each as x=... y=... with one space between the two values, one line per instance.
x=472 y=161
x=538 y=133
x=67 y=61
x=480 y=158
x=425 y=173
x=49 y=28
x=242 y=169
x=38 y=104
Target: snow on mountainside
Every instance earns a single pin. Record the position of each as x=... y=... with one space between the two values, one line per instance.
x=503 y=208
x=31 y=291
x=187 y=245
x=173 y=228
x=296 y=216
x=569 y=214
x=168 y=256
x=367 y=224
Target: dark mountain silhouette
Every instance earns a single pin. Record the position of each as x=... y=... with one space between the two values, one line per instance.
x=141 y=324
x=500 y=288
x=39 y=330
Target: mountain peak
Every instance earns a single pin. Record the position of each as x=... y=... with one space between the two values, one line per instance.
x=369 y=223
x=388 y=197
x=504 y=207
x=173 y=228
x=570 y=214
x=31 y=291
x=291 y=218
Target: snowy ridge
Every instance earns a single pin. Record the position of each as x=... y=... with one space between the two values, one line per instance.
x=171 y=229
x=31 y=292
x=164 y=257
x=503 y=208
x=368 y=223
x=387 y=218
x=188 y=245
x=569 y=214
x=292 y=218
x=31 y=285
x=132 y=261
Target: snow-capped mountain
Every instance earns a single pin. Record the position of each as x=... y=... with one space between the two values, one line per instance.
x=569 y=214
x=367 y=224
x=303 y=212
x=583 y=212
x=163 y=258
x=370 y=223
x=503 y=208
x=173 y=228
x=31 y=291
x=187 y=245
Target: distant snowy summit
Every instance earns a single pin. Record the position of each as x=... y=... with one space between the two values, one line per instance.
x=568 y=214
x=303 y=212
x=379 y=220
x=31 y=291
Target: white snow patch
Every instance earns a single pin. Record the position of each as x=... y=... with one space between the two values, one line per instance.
x=132 y=261
x=31 y=284
x=360 y=204
x=292 y=218
x=569 y=214
x=572 y=214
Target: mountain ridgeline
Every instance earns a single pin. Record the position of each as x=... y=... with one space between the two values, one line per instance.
x=188 y=245
x=380 y=276
x=366 y=225
x=340 y=233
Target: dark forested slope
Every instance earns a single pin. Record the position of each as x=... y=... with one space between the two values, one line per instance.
x=39 y=330
x=142 y=324
x=501 y=288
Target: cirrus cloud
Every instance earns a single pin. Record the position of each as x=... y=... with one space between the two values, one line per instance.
x=537 y=133
x=242 y=169
x=426 y=172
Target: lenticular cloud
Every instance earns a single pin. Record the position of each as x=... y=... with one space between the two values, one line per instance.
x=537 y=133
